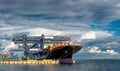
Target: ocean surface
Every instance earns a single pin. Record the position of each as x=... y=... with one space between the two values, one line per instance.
x=81 y=65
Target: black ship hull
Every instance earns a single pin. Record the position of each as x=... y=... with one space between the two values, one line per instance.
x=63 y=52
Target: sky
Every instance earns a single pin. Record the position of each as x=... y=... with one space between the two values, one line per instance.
x=92 y=23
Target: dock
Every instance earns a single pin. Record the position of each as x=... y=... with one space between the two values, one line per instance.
x=31 y=62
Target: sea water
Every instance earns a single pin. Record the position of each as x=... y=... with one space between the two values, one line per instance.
x=81 y=65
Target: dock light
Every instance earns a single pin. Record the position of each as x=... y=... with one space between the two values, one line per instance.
x=11 y=62
x=33 y=63
x=20 y=62
x=73 y=61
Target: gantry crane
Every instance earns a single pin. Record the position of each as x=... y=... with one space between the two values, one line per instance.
x=29 y=42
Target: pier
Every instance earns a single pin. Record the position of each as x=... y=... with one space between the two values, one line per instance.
x=31 y=62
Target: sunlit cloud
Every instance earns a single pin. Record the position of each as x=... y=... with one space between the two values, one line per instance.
x=99 y=51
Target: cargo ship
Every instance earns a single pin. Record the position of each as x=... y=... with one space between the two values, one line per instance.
x=50 y=48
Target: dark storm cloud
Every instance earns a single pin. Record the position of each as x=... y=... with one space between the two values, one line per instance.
x=84 y=10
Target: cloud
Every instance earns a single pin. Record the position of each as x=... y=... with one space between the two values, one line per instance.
x=84 y=10
x=95 y=35
x=9 y=32
x=112 y=52
x=94 y=50
x=6 y=45
x=67 y=15
x=114 y=44
x=108 y=42
x=9 y=46
x=103 y=34
x=3 y=43
x=99 y=51
x=89 y=35
x=81 y=19
x=39 y=31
